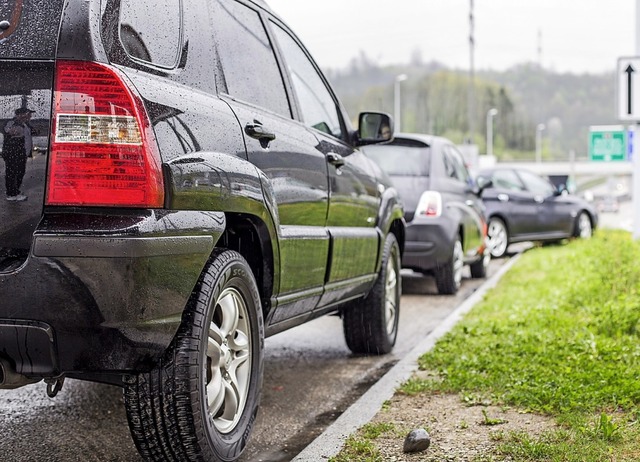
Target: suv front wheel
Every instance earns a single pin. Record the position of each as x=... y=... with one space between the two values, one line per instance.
x=202 y=400
x=371 y=325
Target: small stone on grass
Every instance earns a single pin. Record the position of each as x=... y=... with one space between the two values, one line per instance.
x=417 y=440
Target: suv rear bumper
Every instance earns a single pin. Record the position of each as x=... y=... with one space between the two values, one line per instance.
x=107 y=301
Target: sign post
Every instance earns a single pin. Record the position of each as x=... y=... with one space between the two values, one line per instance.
x=628 y=100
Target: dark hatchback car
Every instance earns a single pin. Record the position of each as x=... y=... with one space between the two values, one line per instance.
x=201 y=189
x=523 y=206
x=446 y=228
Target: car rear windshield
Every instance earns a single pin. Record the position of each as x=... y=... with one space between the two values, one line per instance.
x=32 y=31
x=402 y=160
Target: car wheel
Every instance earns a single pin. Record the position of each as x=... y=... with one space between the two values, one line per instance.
x=449 y=275
x=479 y=268
x=584 y=229
x=371 y=325
x=498 y=237
x=200 y=402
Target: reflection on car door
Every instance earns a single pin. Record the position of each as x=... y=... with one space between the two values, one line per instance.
x=520 y=206
x=354 y=194
x=554 y=214
x=281 y=148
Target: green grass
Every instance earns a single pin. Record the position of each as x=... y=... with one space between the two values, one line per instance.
x=361 y=447
x=559 y=335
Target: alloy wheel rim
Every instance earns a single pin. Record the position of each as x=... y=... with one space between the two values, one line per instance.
x=458 y=263
x=497 y=238
x=584 y=226
x=391 y=302
x=228 y=360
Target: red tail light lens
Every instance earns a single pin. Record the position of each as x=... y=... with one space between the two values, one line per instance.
x=103 y=150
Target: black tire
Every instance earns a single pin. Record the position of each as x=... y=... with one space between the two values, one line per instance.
x=449 y=275
x=498 y=237
x=479 y=268
x=583 y=227
x=371 y=325
x=201 y=401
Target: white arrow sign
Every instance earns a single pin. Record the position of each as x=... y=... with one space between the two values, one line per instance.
x=629 y=89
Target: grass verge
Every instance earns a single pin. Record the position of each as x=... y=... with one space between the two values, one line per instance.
x=559 y=336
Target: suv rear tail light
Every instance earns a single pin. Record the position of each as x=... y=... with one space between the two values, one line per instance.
x=103 y=150
x=430 y=204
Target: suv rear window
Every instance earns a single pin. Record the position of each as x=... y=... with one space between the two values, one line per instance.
x=32 y=31
x=401 y=160
x=150 y=30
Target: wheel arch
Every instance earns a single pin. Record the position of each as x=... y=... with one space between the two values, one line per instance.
x=250 y=237
x=391 y=220
x=213 y=181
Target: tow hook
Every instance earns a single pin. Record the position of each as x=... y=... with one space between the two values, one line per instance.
x=54 y=385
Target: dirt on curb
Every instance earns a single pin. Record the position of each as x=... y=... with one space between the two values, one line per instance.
x=459 y=432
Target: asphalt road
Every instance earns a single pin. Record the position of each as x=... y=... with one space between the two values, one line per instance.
x=310 y=379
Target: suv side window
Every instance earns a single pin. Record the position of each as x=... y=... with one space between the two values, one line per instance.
x=247 y=59
x=317 y=106
x=150 y=30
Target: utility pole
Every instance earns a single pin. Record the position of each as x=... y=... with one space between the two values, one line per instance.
x=540 y=48
x=471 y=92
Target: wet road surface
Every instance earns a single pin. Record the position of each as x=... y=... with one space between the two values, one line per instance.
x=310 y=379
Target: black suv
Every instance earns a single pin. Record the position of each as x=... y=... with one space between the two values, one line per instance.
x=181 y=182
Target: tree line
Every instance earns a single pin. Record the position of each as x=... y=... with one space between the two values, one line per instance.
x=435 y=100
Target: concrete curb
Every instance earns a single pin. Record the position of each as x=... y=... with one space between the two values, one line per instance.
x=330 y=442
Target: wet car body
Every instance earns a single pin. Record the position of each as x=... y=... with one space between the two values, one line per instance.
x=523 y=206
x=441 y=204
x=172 y=193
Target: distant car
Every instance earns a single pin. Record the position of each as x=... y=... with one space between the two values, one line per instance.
x=523 y=206
x=608 y=204
x=446 y=228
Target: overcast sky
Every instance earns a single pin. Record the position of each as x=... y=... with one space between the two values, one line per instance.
x=563 y=35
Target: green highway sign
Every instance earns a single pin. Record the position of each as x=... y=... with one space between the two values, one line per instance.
x=608 y=143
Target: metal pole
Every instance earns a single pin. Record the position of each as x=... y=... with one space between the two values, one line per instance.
x=539 y=129
x=490 y=114
x=636 y=148
x=471 y=90
x=396 y=100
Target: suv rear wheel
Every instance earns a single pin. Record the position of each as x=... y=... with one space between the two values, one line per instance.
x=371 y=325
x=202 y=400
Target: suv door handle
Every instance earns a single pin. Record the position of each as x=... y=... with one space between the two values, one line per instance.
x=257 y=131
x=335 y=159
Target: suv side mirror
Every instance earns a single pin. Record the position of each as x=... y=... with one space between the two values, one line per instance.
x=374 y=127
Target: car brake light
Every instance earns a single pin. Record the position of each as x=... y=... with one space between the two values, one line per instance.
x=103 y=150
x=430 y=204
